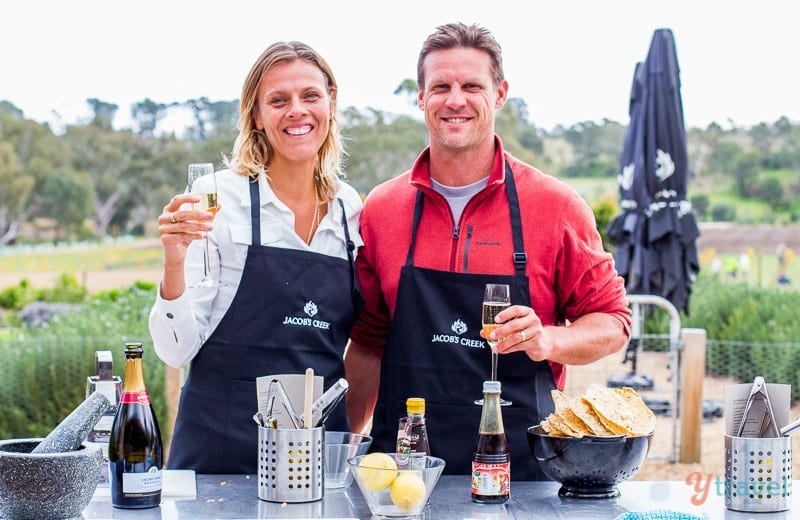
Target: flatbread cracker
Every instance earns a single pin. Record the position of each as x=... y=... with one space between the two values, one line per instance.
x=557 y=423
x=583 y=409
x=621 y=410
x=565 y=412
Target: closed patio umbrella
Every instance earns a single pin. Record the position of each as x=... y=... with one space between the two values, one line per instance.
x=656 y=233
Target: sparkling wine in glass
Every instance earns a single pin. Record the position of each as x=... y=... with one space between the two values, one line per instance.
x=496 y=297
x=208 y=202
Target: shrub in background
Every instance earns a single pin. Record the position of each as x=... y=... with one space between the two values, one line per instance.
x=43 y=369
x=750 y=330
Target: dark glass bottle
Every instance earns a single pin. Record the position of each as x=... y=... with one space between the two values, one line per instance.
x=491 y=466
x=135 y=451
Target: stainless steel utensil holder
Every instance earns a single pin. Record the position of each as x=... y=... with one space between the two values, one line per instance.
x=758 y=473
x=290 y=464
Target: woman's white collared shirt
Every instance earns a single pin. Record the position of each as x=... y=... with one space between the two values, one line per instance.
x=179 y=327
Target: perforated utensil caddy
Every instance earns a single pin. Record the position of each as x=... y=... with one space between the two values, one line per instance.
x=758 y=473
x=290 y=464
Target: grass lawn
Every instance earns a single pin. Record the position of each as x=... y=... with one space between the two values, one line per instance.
x=131 y=254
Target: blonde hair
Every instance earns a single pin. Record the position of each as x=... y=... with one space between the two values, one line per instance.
x=252 y=151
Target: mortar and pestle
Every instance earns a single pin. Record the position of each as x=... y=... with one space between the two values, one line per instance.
x=54 y=477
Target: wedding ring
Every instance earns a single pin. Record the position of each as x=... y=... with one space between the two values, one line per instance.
x=172 y=218
x=522 y=335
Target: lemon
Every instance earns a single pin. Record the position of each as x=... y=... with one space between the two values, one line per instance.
x=376 y=471
x=408 y=490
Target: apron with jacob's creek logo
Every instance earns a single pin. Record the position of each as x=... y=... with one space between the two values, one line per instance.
x=292 y=310
x=435 y=351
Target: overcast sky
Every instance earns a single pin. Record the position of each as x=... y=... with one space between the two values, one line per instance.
x=570 y=60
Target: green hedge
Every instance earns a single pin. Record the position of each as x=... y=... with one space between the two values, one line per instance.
x=750 y=330
x=43 y=370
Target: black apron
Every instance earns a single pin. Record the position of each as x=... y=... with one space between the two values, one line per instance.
x=293 y=310
x=435 y=351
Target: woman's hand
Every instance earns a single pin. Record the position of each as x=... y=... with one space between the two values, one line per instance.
x=178 y=226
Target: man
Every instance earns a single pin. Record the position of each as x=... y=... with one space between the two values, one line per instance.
x=467 y=214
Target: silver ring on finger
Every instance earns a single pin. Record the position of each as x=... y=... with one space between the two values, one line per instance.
x=522 y=335
x=172 y=218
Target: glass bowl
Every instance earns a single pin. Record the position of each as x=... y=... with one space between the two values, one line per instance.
x=340 y=446
x=395 y=493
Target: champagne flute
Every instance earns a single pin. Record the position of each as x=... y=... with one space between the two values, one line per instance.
x=208 y=202
x=496 y=297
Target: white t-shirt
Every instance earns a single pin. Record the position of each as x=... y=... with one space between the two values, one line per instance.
x=458 y=196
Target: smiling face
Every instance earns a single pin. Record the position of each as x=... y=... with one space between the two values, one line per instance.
x=459 y=99
x=293 y=108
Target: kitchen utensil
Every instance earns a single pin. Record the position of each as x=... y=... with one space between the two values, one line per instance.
x=265 y=422
x=790 y=428
x=758 y=473
x=276 y=390
x=591 y=466
x=758 y=419
x=290 y=464
x=46 y=485
x=327 y=402
x=308 y=399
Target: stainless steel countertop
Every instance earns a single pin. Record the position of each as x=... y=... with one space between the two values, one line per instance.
x=236 y=496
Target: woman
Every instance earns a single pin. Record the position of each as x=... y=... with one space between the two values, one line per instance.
x=282 y=247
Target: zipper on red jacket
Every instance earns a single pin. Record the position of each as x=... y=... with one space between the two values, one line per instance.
x=454 y=248
x=466 y=248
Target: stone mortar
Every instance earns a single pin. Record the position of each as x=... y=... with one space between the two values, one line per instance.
x=49 y=485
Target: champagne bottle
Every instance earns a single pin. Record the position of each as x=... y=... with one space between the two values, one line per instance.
x=135 y=451
x=491 y=468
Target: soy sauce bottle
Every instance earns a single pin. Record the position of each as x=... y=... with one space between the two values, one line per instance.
x=135 y=451
x=491 y=466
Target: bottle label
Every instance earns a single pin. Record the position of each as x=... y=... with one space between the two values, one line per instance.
x=491 y=479
x=403 y=450
x=142 y=483
x=140 y=397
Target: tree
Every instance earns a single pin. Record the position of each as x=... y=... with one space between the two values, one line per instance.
x=212 y=119
x=379 y=146
x=15 y=189
x=520 y=136
x=68 y=201
x=103 y=111
x=408 y=88
x=110 y=160
x=146 y=115
x=745 y=171
x=36 y=153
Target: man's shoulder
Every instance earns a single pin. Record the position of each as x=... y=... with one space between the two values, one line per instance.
x=390 y=190
x=531 y=176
